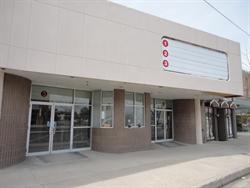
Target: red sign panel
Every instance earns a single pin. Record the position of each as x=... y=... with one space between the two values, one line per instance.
x=165 y=63
x=165 y=43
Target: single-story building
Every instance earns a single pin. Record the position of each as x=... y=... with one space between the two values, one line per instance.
x=79 y=75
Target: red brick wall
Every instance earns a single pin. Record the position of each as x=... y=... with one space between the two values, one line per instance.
x=14 y=119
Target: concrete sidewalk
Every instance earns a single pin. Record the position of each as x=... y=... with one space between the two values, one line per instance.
x=180 y=166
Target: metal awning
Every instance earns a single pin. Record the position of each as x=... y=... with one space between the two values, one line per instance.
x=214 y=103
x=224 y=104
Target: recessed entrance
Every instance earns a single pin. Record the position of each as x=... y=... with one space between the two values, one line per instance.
x=163 y=128
x=161 y=120
x=61 y=124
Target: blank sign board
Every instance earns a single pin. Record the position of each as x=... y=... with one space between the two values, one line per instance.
x=182 y=57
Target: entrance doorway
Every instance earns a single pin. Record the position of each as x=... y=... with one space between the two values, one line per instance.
x=209 y=115
x=51 y=129
x=229 y=127
x=163 y=125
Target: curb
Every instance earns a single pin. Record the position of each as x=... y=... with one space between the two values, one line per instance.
x=227 y=179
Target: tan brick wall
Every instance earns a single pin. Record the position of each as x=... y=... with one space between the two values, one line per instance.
x=119 y=138
x=14 y=119
x=184 y=121
x=246 y=84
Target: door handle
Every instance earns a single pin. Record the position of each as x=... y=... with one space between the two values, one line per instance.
x=54 y=128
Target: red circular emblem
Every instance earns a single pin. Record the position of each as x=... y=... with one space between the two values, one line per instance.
x=165 y=43
x=165 y=53
x=165 y=63
x=44 y=93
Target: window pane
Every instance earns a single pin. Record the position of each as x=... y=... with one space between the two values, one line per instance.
x=169 y=125
x=81 y=137
x=153 y=133
x=106 y=116
x=107 y=97
x=82 y=97
x=96 y=108
x=169 y=104
x=39 y=129
x=62 y=124
x=139 y=99
x=152 y=103
x=82 y=116
x=51 y=94
x=160 y=103
x=152 y=117
x=139 y=116
x=129 y=116
x=129 y=98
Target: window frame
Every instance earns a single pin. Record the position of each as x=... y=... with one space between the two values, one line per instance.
x=134 y=105
x=112 y=107
x=73 y=127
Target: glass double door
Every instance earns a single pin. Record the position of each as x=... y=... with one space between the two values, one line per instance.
x=164 y=125
x=50 y=128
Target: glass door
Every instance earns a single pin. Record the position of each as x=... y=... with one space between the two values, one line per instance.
x=39 y=133
x=164 y=125
x=169 y=125
x=50 y=127
x=82 y=126
x=160 y=125
x=229 y=123
x=61 y=127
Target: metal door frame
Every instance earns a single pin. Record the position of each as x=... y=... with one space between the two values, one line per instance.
x=29 y=126
x=165 y=126
x=50 y=148
x=71 y=125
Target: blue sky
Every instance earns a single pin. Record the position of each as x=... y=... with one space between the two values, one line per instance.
x=197 y=14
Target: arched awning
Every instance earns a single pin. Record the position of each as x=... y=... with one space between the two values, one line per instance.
x=214 y=103
x=224 y=104
x=232 y=105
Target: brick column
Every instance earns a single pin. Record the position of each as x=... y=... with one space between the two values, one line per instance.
x=187 y=121
x=14 y=119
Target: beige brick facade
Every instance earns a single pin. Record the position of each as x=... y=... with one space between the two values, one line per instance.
x=14 y=119
x=246 y=84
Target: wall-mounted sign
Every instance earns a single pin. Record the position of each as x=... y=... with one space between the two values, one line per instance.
x=186 y=58
x=44 y=93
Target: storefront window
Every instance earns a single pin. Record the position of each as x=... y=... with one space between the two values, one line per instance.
x=62 y=102
x=52 y=94
x=103 y=102
x=163 y=104
x=134 y=110
x=107 y=97
x=83 y=97
x=107 y=109
x=129 y=116
x=82 y=116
